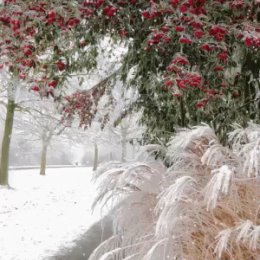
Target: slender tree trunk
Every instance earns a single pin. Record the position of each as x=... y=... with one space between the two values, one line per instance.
x=123 y=144
x=6 y=142
x=110 y=156
x=123 y=159
x=95 y=161
x=183 y=123
x=43 y=158
x=133 y=149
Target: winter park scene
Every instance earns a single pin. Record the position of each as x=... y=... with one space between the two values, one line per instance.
x=129 y=130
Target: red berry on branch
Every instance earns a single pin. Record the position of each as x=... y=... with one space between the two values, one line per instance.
x=5 y=19
x=174 y=2
x=181 y=83
x=72 y=22
x=185 y=40
x=223 y=56
x=53 y=84
x=27 y=63
x=193 y=79
x=27 y=50
x=51 y=17
x=168 y=83
x=218 y=68
x=30 y=31
x=183 y=8
x=35 y=88
x=249 y=41
x=167 y=38
x=218 y=32
x=99 y=3
x=206 y=47
x=196 y=25
x=165 y=29
x=109 y=11
x=198 y=34
x=16 y=24
x=200 y=105
x=60 y=65
x=146 y=14
x=123 y=33
x=180 y=60
x=179 y=28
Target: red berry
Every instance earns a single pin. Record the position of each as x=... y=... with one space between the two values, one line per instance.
x=51 y=17
x=53 y=83
x=185 y=40
x=35 y=88
x=198 y=34
x=60 y=65
x=168 y=83
x=179 y=28
x=72 y=22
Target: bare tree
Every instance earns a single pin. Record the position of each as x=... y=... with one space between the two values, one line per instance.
x=40 y=121
x=128 y=132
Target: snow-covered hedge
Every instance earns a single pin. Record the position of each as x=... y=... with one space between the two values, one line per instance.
x=205 y=206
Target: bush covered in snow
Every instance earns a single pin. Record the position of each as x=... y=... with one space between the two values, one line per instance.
x=205 y=206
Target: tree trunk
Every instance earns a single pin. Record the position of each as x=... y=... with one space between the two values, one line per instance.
x=43 y=159
x=95 y=161
x=6 y=142
x=123 y=159
x=123 y=144
x=110 y=156
x=183 y=117
x=133 y=149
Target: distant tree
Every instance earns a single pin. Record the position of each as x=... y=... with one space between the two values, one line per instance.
x=128 y=131
x=41 y=121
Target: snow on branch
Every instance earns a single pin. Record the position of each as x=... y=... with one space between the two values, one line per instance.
x=106 y=246
x=188 y=145
x=219 y=184
x=216 y=155
x=127 y=177
x=245 y=234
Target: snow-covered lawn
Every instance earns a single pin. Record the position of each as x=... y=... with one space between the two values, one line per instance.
x=44 y=213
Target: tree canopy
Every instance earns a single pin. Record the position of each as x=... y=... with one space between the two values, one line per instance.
x=192 y=60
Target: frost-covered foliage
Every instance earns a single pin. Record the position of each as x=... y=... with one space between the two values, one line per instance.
x=205 y=206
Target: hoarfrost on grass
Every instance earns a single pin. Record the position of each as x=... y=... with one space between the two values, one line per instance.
x=204 y=206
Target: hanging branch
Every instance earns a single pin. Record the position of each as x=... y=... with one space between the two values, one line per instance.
x=84 y=103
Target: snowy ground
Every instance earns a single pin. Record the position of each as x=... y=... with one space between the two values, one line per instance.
x=44 y=213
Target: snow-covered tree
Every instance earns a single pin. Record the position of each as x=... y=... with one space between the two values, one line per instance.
x=128 y=131
x=41 y=122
